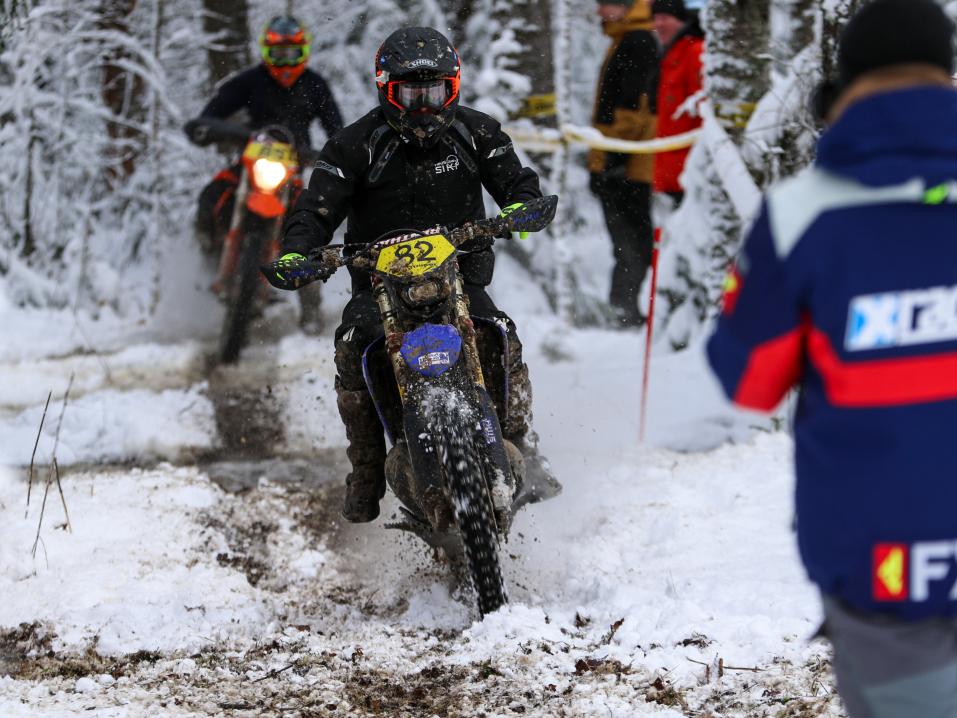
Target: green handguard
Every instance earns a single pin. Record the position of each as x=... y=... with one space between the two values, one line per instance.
x=506 y=211
x=287 y=260
x=280 y=273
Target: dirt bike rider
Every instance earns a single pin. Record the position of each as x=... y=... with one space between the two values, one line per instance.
x=282 y=91
x=416 y=161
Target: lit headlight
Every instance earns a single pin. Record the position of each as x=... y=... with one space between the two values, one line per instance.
x=268 y=175
x=425 y=293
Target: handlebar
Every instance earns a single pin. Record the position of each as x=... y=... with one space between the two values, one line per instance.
x=206 y=130
x=533 y=216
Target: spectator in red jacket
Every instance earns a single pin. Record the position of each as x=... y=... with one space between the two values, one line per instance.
x=679 y=77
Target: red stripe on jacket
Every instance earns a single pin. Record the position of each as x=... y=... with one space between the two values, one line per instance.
x=773 y=367
x=882 y=382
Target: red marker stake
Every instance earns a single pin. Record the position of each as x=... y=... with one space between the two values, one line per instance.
x=648 y=335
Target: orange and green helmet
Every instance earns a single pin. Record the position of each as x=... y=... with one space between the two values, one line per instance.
x=284 y=46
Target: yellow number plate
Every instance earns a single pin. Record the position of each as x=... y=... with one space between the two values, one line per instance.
x=275 y=151
x=414 y=257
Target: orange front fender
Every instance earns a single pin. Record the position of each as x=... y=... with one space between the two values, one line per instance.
x=265 y=205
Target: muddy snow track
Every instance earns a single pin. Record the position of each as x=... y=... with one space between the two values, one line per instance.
x=209 y=574
x=344 y=638
x=358 y=621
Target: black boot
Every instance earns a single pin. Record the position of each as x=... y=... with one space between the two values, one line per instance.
x=365 y=484
x=310 y=304
x=539 y=482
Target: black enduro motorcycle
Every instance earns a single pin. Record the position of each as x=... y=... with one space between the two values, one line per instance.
x=459 y=482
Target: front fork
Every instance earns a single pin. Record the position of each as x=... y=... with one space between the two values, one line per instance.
x=394 y=335
x=435 y=503
x=233 y=242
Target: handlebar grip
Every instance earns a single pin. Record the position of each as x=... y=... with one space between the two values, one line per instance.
x=290 y=275
x=534 y=216
x=206 y=130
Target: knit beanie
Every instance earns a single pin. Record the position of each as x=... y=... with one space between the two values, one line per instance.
x=670 y=7
x=895 y=32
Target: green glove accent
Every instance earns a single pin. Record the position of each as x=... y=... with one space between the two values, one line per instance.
x=506 y=211
x=286 y=260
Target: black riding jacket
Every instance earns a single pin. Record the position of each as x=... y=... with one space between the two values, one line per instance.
x=268 y=102
x=368 y=174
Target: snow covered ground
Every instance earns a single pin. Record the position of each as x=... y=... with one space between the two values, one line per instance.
x=664 y=580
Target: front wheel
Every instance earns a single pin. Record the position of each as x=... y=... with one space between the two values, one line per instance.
x=474 y=515
x=243 y=286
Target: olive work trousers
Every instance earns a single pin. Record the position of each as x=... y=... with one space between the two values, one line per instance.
x=361 y=325
x=627 y=208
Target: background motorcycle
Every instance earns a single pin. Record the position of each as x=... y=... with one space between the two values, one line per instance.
x=269 y=182
x=459 y=482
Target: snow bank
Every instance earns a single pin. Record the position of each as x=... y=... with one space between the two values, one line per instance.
x=113 y=425
x=138 y=571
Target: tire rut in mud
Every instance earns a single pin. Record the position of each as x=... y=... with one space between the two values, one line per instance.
x=248 y=419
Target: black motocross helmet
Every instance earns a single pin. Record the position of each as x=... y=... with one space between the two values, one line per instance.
x=417 y=72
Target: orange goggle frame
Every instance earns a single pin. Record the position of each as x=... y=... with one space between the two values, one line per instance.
x=393 y=92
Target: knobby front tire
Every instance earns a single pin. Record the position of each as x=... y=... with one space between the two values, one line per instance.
x=474 y=515
x=242 y=294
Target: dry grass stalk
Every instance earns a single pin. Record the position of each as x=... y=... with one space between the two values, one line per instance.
x=43 y=506
x=59 y=424
x=66 y=512
x=54 y=467
x=33 y=456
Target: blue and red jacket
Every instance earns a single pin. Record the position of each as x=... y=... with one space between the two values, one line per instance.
x=847 y=289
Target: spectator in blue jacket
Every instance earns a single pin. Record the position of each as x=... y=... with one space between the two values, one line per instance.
x=847 y=288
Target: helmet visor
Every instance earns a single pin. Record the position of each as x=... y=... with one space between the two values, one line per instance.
x=423 y=95
x=281 y=55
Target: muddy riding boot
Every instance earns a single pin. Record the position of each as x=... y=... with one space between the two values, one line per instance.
x=310 y=305
x=365 y=484
x=540 y=483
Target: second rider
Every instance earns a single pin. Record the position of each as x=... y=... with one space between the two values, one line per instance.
x=416 y=161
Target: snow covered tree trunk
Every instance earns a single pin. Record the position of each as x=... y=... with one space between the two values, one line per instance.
x=122 y=92
x=800 y=17
x=535 y=59
x=153 y=236
x=775 y=142
x=460 y=12
x=226 y=22
x=835 y=13
x=29 y=245
x=737 y=58
x=781 y=132
x=568 y=299
x=12 y=13
x=704 y=234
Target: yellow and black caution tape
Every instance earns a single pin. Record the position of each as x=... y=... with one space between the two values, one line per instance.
x=551 y=140
x=735 y=114
x=539 y=106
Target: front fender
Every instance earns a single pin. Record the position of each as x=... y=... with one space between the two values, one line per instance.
x=265 y=205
